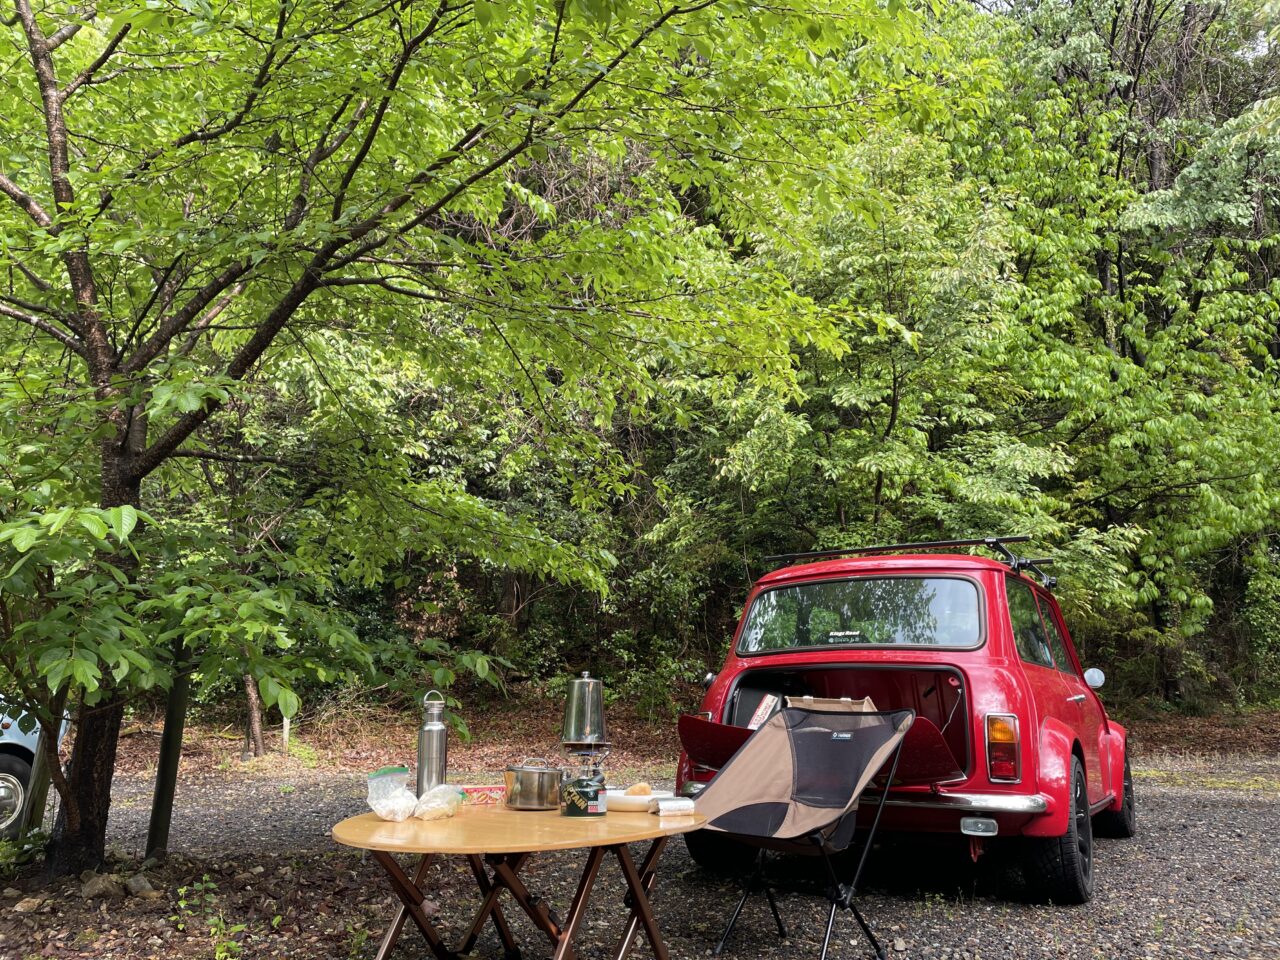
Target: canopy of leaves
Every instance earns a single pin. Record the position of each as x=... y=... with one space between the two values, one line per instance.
x=374 y=341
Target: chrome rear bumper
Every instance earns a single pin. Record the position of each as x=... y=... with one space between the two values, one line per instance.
x=972 y=802
x=975 y=802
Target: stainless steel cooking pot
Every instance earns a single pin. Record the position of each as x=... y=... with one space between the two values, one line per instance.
x=533 y=785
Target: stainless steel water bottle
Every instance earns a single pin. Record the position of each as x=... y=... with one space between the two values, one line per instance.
x=433 y=743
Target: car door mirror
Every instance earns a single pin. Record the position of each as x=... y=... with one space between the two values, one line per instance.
x=1094 y=678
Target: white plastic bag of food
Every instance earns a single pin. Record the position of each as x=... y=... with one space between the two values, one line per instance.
x=389 y=794
x=438 y=803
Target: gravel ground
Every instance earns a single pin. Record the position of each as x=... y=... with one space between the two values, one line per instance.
x=1200 y=880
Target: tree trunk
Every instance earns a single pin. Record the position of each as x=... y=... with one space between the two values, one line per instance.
x=255 y=717
x=175 y=721
x=80 y=832
x=79 y=847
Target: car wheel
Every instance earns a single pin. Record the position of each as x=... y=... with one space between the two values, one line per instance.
x=716 y=853
x=1122 y=822
x=15 y=774
x=1060 y=869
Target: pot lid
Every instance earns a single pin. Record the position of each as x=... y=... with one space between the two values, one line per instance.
x=533 y=765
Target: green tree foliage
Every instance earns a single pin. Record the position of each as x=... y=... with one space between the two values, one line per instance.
x=1058 y=308
x=290 y=235
x=407 y=341
x=1150 y=302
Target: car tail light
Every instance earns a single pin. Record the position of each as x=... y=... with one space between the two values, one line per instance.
x=1002 y=748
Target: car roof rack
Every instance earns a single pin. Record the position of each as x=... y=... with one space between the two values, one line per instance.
x=999 y=544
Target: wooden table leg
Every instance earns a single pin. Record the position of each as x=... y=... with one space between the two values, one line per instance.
x=412 y=898
x=392 y=935
x=489 y=907
x=564 y=949
x=641 y=909
x=560 y=933
x=506 y=869
x=504 y=874
x=648 y=875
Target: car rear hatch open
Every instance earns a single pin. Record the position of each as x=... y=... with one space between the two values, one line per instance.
x=937 y=749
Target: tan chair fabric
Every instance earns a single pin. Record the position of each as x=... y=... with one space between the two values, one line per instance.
x=801 y=772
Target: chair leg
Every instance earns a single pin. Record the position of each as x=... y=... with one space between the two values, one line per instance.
x=831 y=921
x=875 y=944
x=773 y=905
x=754 y=878
x=841 y=896
x=724 y=938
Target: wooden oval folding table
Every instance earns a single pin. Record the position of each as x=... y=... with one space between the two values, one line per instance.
x=503 y=840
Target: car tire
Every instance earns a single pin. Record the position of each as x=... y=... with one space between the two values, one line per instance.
x=1060 y=869
x=1122 y=823
x=718 y=854
x=15 y=775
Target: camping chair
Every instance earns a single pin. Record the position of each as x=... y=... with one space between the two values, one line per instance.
x=794 y=787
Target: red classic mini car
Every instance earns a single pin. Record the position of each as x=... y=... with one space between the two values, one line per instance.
x=1009 y=740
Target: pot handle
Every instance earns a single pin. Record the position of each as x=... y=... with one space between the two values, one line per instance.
x=527 y=761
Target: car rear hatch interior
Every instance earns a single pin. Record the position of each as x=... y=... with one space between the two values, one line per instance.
x=937 y=748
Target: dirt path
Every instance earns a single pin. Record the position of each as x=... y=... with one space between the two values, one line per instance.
x=1199 y=881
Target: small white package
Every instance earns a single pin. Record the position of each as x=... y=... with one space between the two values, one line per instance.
x=389 y=794
x=438 y=803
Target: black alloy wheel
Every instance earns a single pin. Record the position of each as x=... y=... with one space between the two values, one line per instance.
x=1060 y=869
x=1120 y=823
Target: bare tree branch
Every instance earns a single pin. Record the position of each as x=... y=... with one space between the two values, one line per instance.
x=98 y=351
x=39 y=282
x=29 y=306
x=385 y=284
x=240 y=364
x=176 y=322
x=323 y=149
x=86 y=75
x=209 y=316
x=44 y=327
x=27 y=202
x=371 y=135
x=67 y=31
x=232 y=458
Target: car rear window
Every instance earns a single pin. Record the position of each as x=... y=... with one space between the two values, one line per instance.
x=865 y=611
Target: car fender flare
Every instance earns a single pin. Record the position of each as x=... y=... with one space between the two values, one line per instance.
x=21 y=751
x=1116 y=743
x=1053 y=776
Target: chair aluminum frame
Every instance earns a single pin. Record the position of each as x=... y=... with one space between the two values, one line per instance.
x=840 y=895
